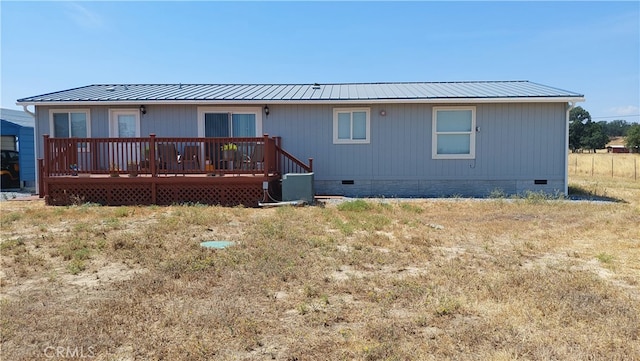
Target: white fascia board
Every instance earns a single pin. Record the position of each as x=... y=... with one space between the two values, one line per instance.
x=314 y=101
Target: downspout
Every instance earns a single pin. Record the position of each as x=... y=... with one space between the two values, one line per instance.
x=24 y=107
x=570 y=105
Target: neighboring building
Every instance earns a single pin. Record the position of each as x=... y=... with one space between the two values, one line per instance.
x=617 y=148
x=17 y=130
x=616 y=145
x=426 y=139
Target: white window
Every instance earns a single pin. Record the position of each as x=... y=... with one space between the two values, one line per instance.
x=73 y=123
x=351 y=126
x=454 y=135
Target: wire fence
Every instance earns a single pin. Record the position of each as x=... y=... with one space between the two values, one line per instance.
x=614 y=165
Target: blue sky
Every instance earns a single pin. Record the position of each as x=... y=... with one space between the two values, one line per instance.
x=588 y=47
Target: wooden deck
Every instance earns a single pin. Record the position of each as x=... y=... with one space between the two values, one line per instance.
x=227 y=190
x=75 y=171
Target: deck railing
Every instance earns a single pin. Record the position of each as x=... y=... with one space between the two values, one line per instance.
x=287 y=163
x=162 y=156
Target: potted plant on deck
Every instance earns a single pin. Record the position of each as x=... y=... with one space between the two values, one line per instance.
x=114 y=170
x=132 y=167
x=74 y=169
x=229 y=151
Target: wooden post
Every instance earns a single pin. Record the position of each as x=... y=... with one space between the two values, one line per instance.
x=311 y=164
x=152 y=155
x=611 y=166
x=635 y=167
x=278 y=142
x=152 y=166
x=268 y=153
x=592 y=161
x=41 y=191
x=47 y=155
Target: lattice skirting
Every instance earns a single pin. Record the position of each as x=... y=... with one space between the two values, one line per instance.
x=227 y=195
x=141 y=194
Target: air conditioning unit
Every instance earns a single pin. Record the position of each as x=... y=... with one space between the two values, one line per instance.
x=298 y=186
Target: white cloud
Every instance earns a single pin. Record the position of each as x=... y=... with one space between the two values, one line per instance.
x=625 y=110
x=83 y=16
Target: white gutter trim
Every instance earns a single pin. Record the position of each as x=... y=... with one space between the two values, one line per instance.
x=24 y=107
x=313 y=101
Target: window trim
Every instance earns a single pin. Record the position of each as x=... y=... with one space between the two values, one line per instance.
x=367 y=139
x=471 y=133
x=71 y=110
x=238 y=110
x=113 y=125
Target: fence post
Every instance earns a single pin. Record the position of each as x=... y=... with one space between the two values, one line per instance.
x=592 y=161
x=611 y=166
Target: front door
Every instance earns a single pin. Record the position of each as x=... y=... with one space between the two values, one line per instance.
x=124 y=123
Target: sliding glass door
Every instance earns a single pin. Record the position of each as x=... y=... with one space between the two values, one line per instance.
x=230 y=125
x=223 y=122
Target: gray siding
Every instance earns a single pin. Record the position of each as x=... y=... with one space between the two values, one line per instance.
x=163 y=120
x=516 y=144
x=170 y=121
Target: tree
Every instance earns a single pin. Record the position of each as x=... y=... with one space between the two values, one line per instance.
x=584 y=133
x=593 y=137
x=615 y=128
x=633 y=137
x=578 y=117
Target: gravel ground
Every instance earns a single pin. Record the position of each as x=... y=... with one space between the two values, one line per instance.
x=9 y=195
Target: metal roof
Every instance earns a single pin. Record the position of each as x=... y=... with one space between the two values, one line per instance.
x=410 y=92
x=17 y=117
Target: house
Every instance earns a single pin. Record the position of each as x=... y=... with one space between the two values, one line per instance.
x=17 y=132
x=422 y=139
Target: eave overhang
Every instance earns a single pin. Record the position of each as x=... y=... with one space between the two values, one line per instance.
x=474 y=100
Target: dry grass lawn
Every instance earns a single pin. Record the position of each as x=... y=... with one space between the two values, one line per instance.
x=611 y=165
x=499 y=279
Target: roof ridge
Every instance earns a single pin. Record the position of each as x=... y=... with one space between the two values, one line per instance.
x=287 y=84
